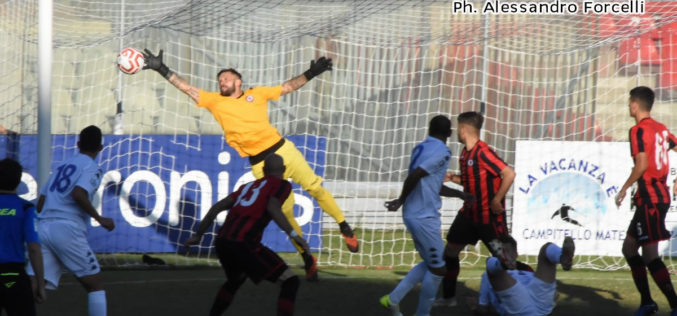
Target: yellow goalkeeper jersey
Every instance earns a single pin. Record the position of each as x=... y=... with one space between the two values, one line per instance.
x=244 y=120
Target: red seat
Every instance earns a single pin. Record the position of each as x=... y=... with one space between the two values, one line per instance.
x=661 y=7
x=607 y=26
x=639 y=49
x=668 y=76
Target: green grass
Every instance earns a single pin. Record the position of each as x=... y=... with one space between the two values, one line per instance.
x=339 y=292
x=350 y=283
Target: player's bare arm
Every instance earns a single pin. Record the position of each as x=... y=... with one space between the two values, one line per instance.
x=507 y=178
x=274 y=209
x=453 y=193
x=184 y=87
x=293 y=84
x=409 y=184
x=81 y=198
x=220 y=206
x=41 y=203
x=317 y=67
x=38 y=281
x=155 y=62
x=641 y=164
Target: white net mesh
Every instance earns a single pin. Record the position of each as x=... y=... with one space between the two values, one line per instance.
x=396 y=64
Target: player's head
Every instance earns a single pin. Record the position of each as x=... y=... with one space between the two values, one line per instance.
x=440 y=127
x=90 y=139
x=10 y=174
x=641 y=99
x=469 y=123
x=273 y=165
x=230 y=82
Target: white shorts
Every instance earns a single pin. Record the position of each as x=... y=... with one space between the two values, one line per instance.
x=535 y=298
x=64 y=249
x=427 y=235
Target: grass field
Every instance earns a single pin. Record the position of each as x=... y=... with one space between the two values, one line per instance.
x=339 y=292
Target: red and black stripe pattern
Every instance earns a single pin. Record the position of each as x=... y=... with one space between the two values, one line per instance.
x=248 y=218
x=653 y=139
x=480 y=175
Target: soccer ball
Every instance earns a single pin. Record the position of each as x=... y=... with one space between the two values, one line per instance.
x=130 y=60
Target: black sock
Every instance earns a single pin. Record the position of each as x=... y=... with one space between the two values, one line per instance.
x=345 y=229
x=639 y=276
x=307 y=260
x=661 y=276
x=225 y=296
x=450 y=278
x=285 y=302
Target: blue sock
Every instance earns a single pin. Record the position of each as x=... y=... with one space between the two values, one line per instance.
x=412 y=278
x=96 y=303
x=431 y=282
x=553 y=253
x=494 y=266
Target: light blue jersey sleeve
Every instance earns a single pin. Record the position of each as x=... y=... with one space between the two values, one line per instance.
x=90 y=179
x=436 y=163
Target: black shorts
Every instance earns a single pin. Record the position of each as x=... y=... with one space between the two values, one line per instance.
x=648 y=223
x=254 y=260
x=464 y=231
x=16 y=295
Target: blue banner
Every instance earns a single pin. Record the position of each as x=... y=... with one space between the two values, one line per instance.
x=157 y=187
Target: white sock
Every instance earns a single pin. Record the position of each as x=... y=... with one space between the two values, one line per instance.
x=97 y=303
x=412 y=278
x=431 y=282
x=553 y=253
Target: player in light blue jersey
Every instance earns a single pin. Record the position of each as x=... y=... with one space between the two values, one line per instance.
x=524 y=293
x=64 y=210
x=420 y=196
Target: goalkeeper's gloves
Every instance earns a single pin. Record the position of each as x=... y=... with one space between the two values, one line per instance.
x=317 y=67
x=155 y=63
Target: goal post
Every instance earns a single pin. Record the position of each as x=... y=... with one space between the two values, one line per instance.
x=536 y=77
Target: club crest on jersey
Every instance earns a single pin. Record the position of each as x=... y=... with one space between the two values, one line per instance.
x=250 y=98
x=470 y=162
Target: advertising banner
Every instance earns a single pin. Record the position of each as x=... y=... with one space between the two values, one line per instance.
x=568 y=189
x=158 y=187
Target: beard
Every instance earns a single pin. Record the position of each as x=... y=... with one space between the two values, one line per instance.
x=227 y=92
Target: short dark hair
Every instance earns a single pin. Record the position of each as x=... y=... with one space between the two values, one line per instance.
x=90 y=139
x=440 y=125
x=273 y=164
x=471 y=118
x=644 y=96
x=231 y=70
x=10 y=174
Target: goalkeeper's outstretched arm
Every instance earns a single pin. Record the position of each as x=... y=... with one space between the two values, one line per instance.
x=317 y=67
x=155 y=63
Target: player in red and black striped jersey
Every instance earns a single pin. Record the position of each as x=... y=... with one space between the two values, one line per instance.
x=649 y=145
x=488 y=178
x=238 y=243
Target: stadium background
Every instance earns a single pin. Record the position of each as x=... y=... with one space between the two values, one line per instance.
x=396 y=64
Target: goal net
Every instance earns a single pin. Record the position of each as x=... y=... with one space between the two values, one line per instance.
x=539 y=79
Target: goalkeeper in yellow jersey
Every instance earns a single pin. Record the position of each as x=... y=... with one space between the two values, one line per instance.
x=243 y=116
